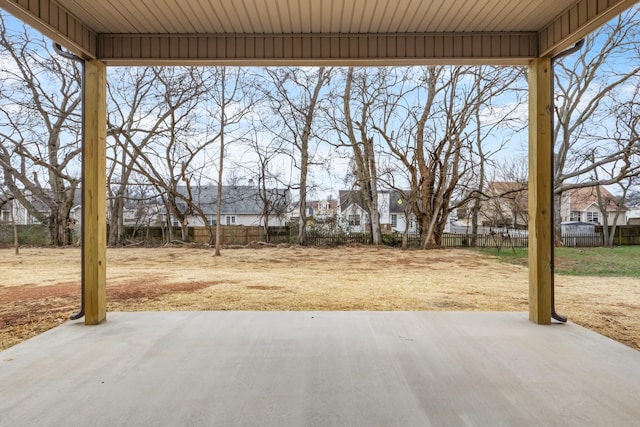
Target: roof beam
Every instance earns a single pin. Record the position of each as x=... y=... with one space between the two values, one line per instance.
x=55 y=22
x=575 y=23
x=311 y=49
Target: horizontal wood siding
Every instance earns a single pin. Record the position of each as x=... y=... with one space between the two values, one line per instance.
x=55 y=22
x=578 y=21
x=242 y=49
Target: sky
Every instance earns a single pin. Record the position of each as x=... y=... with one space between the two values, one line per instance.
x=331 y=178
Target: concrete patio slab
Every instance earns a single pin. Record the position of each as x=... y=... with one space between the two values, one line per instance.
x=319 y=369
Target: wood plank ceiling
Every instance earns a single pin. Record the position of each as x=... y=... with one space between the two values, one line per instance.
x=125 y=32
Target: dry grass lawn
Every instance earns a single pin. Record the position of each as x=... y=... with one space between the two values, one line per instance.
x=40 y=287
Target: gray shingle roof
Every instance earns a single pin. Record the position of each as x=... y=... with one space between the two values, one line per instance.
x=235 y=199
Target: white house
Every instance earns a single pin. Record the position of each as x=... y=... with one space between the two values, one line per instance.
x=391 y=206
x=22 y=216
x=323 y=210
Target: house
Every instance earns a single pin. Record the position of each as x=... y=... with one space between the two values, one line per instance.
x=241 y=205
x=23 y=217
x=6 y=206
x=322 y=210
x=581 y=204
x=632 y=216
x=393 y=216
x=134 y=212
x=507 y=205
x=354 y=216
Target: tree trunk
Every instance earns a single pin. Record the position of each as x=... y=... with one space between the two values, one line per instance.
x=220 y=166
x=407 y=226
x=115 y=234
x=16 y=242
x=427 y=237
x=475 y=210
x=372 y=184
x=557 y=220
x=302 y=211
x=184 y=229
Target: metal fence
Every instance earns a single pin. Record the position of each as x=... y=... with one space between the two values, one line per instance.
x=503 y=240
x=317 y=238
x=583 y=240
x=451 y=240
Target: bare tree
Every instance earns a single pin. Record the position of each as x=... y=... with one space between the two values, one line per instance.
x=624 y=136
x=588 y=86
x=362 y=91
x=138 y=117
x=489 y=123
x=272 y=191
x=167 y=148
x=431 y=134
x=40 y=129
x=6 y=199
x=294 y=95
x=232 y=100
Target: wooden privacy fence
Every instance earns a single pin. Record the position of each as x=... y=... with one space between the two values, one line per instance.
x=241 y=235
x=624 y=234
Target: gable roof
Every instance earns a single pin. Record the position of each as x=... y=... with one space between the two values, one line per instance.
x=515 y=192
x=354 y=197
x=585 y=197
x=507 y=187
x=240 y=200
x=350 y=197
x=397 y=202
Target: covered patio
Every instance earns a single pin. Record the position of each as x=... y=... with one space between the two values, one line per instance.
x=319 y=368
x=304 y=33
x=325 y=368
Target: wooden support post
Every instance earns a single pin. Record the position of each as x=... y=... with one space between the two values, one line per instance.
x=94 y=193
x=540 y=199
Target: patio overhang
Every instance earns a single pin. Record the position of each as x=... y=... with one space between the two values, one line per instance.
x=333 y=32
x=278 y=32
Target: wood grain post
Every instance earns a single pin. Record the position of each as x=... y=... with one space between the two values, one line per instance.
x=540 y=199
x=94 y=193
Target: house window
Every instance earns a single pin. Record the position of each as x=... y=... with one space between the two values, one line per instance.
x=231 y=220
x=211 y=219
x=354 y=220
x=593 y=217
x=394 y=220
x=575 y=216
